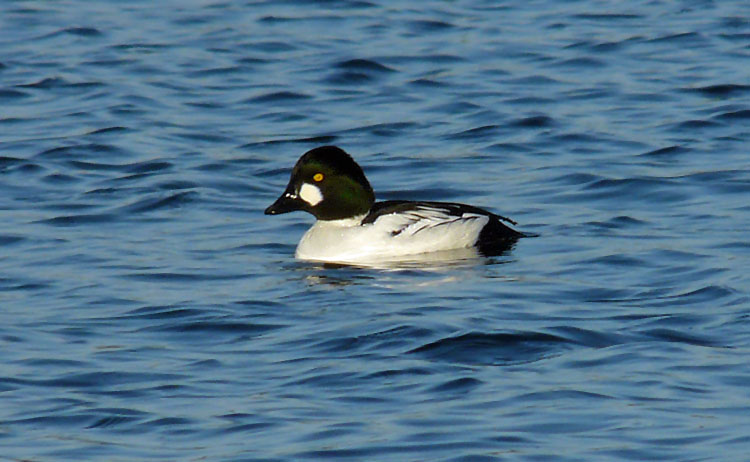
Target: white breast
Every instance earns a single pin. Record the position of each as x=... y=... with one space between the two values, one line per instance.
x=390 y=236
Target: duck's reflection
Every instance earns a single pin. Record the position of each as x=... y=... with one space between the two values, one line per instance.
x=436 y=263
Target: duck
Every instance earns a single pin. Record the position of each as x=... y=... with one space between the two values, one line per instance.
x=352 y=228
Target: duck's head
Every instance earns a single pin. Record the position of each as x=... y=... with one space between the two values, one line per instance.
x=327 y=183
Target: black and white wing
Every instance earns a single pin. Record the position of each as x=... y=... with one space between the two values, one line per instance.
x=412 y=218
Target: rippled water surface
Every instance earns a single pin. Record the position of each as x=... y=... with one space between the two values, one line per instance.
x=150 y=311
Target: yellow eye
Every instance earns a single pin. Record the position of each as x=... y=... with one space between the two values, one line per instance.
x=318 y=177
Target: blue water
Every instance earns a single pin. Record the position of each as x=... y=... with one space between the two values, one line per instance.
x=150 y=311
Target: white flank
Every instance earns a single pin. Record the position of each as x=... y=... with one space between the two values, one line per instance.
x=310 y=194
x=423 y=230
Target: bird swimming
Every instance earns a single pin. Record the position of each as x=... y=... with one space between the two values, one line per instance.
x=353 y=228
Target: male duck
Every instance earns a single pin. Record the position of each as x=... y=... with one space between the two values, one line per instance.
x=352 y=228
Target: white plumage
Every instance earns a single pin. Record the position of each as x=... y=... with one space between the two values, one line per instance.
x=422 y=229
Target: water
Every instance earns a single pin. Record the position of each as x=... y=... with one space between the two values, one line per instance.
x=151 y=312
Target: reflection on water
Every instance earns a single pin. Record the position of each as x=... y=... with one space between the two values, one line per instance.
x=431 y=261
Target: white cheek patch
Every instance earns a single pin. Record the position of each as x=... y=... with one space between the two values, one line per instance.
x=310 y=194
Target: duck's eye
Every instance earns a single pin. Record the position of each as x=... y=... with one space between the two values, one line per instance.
x=318 y=177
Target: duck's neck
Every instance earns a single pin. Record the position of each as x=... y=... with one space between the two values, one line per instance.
x=342 y=222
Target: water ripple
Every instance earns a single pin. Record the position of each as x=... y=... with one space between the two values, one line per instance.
x=497 y=349
x=723 y=90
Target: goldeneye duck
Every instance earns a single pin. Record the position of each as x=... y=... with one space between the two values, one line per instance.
x=352 y=228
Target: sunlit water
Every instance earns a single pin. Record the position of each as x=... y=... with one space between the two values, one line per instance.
x=150 y=311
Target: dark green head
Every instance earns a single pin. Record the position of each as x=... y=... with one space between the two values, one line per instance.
x=327 y=183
